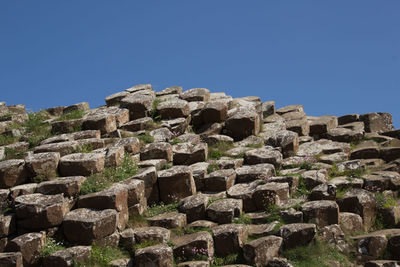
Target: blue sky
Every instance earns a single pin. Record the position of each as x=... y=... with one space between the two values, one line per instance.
x=334 y=57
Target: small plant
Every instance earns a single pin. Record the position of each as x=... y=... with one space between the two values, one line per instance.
x=340 y=192
x=51 y=246
x=166 y=166
x=85 y=148
x=100 y=181
x=218 y=150
x=11 y=153
x=243 y=219
x=231 y=259
x=154 y=112
x=136 y=221
x=7 y=139
x=175 y=141
x=301 y=188
x=316 y=254
x=145 y=244
x=259 y=145
x=146 y=138
x=356 y=173
x=385 y=201
x=213 y=166
x=73 y=115
x=6 y=117
x=161 y=208
x=102 y=256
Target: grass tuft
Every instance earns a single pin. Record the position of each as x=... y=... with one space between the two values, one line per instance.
x=73 y=115
x=100 y=181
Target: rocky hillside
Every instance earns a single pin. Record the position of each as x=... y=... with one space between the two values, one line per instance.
x=195 y=178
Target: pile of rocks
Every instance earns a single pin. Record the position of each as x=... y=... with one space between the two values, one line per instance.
x=248 y=179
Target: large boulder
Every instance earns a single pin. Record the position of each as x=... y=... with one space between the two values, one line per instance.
x=190 y=246
x=243 y=123
x=296 y=234
x=377 y=122
x=30 y=246
x=158 y=255
x=188 y=153
x=196 y=94
x=83 y=164
x=173 y=109
x=176 y=183
x=265 y=154
x=321 y=212
x=12 y=173
x=224 y=210
x=84 y=226
x=37 y=211
x=156 y=151
x=260 y=251
x=44 y=164
x=229 y=238
x=361 y=202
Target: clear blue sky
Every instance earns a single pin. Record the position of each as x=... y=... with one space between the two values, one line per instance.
x=334 y=57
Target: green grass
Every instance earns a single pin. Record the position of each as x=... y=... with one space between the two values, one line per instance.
x=161 y=208
x=146 y=138
x=218 y=150
x=36 y=129
x=73 y=115
x=102 y=256
x=145 y=244
x=340 y=192
x=315 y=255
x=154 y=112
x=357 y=173
x=254 y=145
x=6 y=117
x=166 y=166
x=385 y=201
x=175 y=141
x=213 y=167
x=85 y=148
x=136 y=221
x=301 y=188
x=243 y=219
x=11 y=153
x=230 y=259
x=7 y=139
x=51 y=246
x=100 y=181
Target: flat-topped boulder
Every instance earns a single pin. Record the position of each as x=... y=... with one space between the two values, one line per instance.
x=194 y=207
x=260 y=251
x=224 y=210
x=168 y=220
x=106 y=123
x=244 y=191
x=68 y=186
x=151 y=233
x=176 y=183
x=229 y=238
x=265 y=154
x=189 y=153
x=37 y=211
x=29 y=245
x=192 y=245
x=361 y=202
x=84 y=226
x=12 y=172
x=249 y=173
x=45 y=164
x=322 y=146
x=157 y=255
x=114 y=197
x=220 y=180
x=172 y=109
x=138 y=124
x=269 y=194
x=321 y=212
x=11 y=259
x=296 y=234
x=83 y=164
x=139 y=105
x=156 y=151
x=242 y=124
x=68 y=257
x=196 y=94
